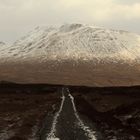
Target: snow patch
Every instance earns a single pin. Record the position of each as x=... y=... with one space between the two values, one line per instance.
x=51 y=135
x=6 y=134
x=87 y=130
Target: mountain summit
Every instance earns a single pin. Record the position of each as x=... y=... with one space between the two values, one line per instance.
x=73 y=54
x=2 y=44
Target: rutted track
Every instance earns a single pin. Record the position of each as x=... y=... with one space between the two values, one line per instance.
x=67 y=124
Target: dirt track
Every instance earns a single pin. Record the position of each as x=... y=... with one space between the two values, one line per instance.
x=67 y=124
x=114 y=112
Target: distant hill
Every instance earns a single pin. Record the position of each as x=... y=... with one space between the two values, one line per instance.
x=73 y=54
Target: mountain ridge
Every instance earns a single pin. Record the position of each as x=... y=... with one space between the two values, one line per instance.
x=86 y=55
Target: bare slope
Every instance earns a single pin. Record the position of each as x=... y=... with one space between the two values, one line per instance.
x=73 y=54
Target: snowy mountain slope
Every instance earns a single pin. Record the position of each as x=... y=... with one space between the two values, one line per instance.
x=2 y=45
x=76 y=41
x=92 y=55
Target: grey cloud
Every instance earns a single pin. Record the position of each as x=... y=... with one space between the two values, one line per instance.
x=127 y=1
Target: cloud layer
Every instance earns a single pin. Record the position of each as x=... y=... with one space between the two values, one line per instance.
x=19 y=16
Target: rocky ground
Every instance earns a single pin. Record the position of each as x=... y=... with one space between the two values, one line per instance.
x=115 y=112
x=22 y=112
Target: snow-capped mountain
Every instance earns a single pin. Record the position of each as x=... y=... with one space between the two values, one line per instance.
x=2 y=44
x=73 y=54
